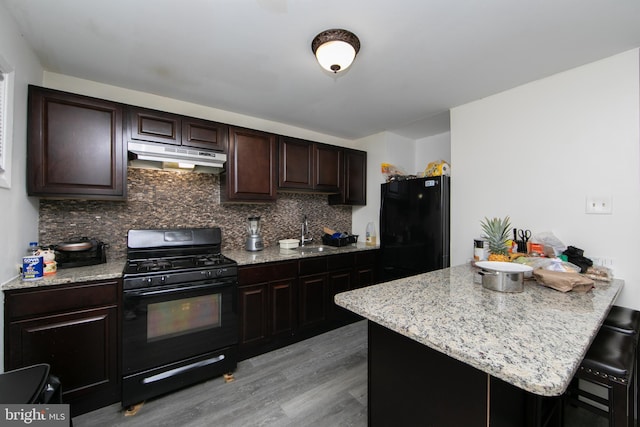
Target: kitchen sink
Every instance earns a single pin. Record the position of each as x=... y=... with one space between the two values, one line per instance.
x=314 y=249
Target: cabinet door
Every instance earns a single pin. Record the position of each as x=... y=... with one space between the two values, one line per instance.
x=328 y=167
x=281 y=304
x=354 y=188
x=75 y=146
x=81 y=348
x=311 y=303
x=154 y=126
x=253 y=314
x=204 y=134
x=251 y=167
x=296 y=164
x=355 y=177
x=338 y=281
x=365 y=269
x=364 y=276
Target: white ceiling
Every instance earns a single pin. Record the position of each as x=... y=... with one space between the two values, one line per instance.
x=418 y=58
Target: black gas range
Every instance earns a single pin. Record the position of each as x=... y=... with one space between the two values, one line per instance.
x=180 y=311
x=167 y=269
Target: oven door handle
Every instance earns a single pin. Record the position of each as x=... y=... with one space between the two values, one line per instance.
x=173 y=289
x=176 y=371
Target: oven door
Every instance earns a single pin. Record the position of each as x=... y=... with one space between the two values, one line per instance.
x=166 y=324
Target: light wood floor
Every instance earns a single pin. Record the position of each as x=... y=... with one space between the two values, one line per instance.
x=318 y=382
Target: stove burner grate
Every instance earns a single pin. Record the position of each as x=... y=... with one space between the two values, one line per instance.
x=153 y=265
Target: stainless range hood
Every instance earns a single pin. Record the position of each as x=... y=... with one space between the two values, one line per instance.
x=178 y=154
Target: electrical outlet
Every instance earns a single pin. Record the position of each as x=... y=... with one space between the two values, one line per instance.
x=599 y=205
x=602 y=262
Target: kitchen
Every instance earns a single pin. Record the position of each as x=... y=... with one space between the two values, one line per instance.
x=578 y=131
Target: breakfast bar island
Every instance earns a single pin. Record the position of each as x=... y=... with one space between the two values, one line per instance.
x=444 y=351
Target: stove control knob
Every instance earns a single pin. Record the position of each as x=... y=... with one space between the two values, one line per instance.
x=219 y=272
x=150 y=280
x=163 y=279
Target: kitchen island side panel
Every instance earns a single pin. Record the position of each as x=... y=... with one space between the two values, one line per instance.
x=410 y=384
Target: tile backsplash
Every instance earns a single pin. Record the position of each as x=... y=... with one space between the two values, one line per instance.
x=170 y=199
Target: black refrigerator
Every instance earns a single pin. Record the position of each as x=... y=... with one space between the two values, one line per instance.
x=414 y=226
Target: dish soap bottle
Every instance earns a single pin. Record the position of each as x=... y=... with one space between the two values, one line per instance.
x=371 y=234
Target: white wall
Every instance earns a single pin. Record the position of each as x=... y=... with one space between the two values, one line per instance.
x=376 y=148
x=385 y=147
x=409 y=155
x=432 y=149
x=536 y=152
x=19 y=214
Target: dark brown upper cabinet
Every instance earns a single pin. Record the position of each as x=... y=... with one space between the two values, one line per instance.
x=154 y=126
x=251 y=171
x=199 y=133
x=328 y=167
x=296 y=164
x=354 y=187
x=167 y=128
x=308 y=166
x=75 y=146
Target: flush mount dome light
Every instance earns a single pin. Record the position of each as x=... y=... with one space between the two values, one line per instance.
x=335 y=49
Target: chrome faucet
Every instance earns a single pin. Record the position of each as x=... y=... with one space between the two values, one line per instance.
x=305 y=231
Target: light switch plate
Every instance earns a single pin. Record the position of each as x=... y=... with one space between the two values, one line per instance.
x=599 y=205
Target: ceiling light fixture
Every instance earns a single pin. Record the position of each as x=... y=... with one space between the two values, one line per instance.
x=335 y=49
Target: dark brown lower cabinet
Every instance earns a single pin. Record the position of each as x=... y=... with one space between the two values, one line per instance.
x=312 y=292
x=284 y=302
x=312 y=300
x=73 y=328
x=364 y=272
x=266 y=306
x=411 y=384
x=339 y=281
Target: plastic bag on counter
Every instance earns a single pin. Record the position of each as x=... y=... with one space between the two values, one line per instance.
x=549 y=240
x=599 y=273
x=549 y=264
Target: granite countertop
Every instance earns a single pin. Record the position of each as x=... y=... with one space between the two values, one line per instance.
x=275 y=254
x=109 y=270
x=113 y=269
x=534 y=340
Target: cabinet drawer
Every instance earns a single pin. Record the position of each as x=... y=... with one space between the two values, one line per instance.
x=366 y=257
x=313 y=265
x=340 y=262
x=56 y=299
x=267 y=273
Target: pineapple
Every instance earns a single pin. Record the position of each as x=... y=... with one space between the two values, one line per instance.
x=497 y=234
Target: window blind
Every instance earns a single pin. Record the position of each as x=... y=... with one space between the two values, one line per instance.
x=3 y=101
